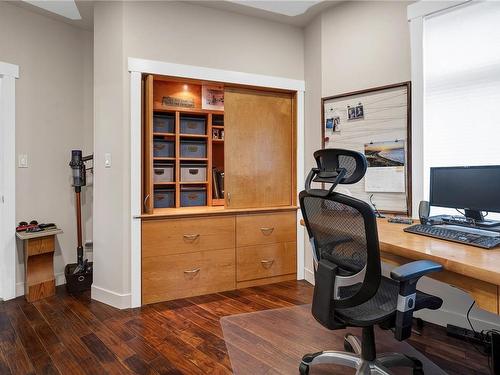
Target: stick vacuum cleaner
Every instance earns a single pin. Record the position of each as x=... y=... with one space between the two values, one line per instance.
x=79 y=274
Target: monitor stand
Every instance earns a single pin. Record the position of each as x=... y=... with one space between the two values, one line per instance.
x=478 y=219
x=470 y=220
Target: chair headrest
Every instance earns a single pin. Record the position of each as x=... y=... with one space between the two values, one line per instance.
x=336 y=166
x=330 y=160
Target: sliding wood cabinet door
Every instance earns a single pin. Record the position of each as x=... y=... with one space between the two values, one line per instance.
x=259 y=148
x=147 y=133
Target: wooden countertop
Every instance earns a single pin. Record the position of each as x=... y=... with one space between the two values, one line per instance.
x=164 y=213
x=466 y=260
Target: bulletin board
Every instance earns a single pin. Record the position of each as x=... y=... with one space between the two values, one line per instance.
x=377 y=123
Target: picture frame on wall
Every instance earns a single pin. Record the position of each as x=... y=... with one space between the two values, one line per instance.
x=212 y=97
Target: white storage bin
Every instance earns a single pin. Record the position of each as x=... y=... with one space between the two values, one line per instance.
x=163 y=173
x=193 y=173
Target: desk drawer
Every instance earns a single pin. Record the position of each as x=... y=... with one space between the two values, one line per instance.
x=179 y=236
x=257 y=262
x=184 y=275
x=266 y=228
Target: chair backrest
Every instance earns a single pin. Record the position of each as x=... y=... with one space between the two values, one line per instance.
x=332 y=159
x=343 y=230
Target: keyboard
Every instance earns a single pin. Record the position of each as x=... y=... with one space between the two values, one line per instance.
x=461 y=236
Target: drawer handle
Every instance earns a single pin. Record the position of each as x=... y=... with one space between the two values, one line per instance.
x=267 y=231
x=192 y=273
x=267 y=263
x=191 y=237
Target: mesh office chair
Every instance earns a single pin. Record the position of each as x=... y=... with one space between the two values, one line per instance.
x=349 y=288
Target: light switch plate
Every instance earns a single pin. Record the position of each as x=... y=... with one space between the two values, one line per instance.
x=107 y=160
x=22 y=161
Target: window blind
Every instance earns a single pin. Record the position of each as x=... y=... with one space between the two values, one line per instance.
x=462 y=89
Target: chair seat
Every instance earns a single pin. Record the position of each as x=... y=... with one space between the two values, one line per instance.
x=382 y=306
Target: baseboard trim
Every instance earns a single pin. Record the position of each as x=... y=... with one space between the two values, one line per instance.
x=60 y=280
x=120 y=301
x=309 y=275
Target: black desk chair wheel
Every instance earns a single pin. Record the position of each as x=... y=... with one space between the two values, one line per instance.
x=350 y=290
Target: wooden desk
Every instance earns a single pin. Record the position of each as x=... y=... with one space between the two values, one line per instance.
x=475 y=270
x=39 y=247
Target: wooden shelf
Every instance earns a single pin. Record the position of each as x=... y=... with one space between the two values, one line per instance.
x=155 y=89
x=193 y=159
x=218 y=202
x=157 y=134
x=193 y=136
x=164 y=183
x=210 y=210
x=157 y=158
x=217 y=140
x=189 y=111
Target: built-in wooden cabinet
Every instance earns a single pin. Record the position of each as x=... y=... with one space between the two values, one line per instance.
x=243 y=231
x=259 y=148
x=197 y=255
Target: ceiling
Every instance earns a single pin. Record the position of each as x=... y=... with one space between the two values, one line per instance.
x=85 y=7
x=294 y=12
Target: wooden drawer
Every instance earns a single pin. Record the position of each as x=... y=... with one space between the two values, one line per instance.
x=266 y=228
x=180 y=236
x=256 y=262
x=177 y=276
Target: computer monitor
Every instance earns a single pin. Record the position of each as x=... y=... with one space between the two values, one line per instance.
x=474 y=189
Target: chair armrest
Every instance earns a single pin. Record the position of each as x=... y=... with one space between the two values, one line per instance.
x=414 y=270
x=408 y=275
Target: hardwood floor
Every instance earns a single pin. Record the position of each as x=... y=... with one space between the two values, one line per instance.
x=74 y=335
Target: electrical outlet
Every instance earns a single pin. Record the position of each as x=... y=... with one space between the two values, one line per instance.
x=22 y=161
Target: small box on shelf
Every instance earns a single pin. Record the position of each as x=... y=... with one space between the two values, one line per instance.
x=193 y=125
x=163 y=148
x=193 y=172
x=163 y=123
x=193 y=196
x=164 y=198
x=193 y=149
x=163 y=172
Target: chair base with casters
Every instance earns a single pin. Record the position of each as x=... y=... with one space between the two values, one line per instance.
x=362 y=358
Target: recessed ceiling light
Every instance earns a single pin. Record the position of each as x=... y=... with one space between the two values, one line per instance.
x=65 y=8
x=284 y=7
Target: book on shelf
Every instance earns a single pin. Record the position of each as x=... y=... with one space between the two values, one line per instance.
x=218 y=183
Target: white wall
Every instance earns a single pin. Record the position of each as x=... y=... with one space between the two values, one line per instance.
x=363 y=45
x=53 y=116
x=314 y=83
x=172 y=32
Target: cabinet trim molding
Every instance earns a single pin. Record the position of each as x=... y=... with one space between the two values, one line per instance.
x=136 y=68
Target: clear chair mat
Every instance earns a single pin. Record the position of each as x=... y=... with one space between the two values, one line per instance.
x=274 y=341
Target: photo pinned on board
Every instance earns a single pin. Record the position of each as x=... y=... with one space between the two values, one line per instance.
x=333 y=124
x=356 y=112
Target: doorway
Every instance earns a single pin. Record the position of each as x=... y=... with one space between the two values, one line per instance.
x=8 y=75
